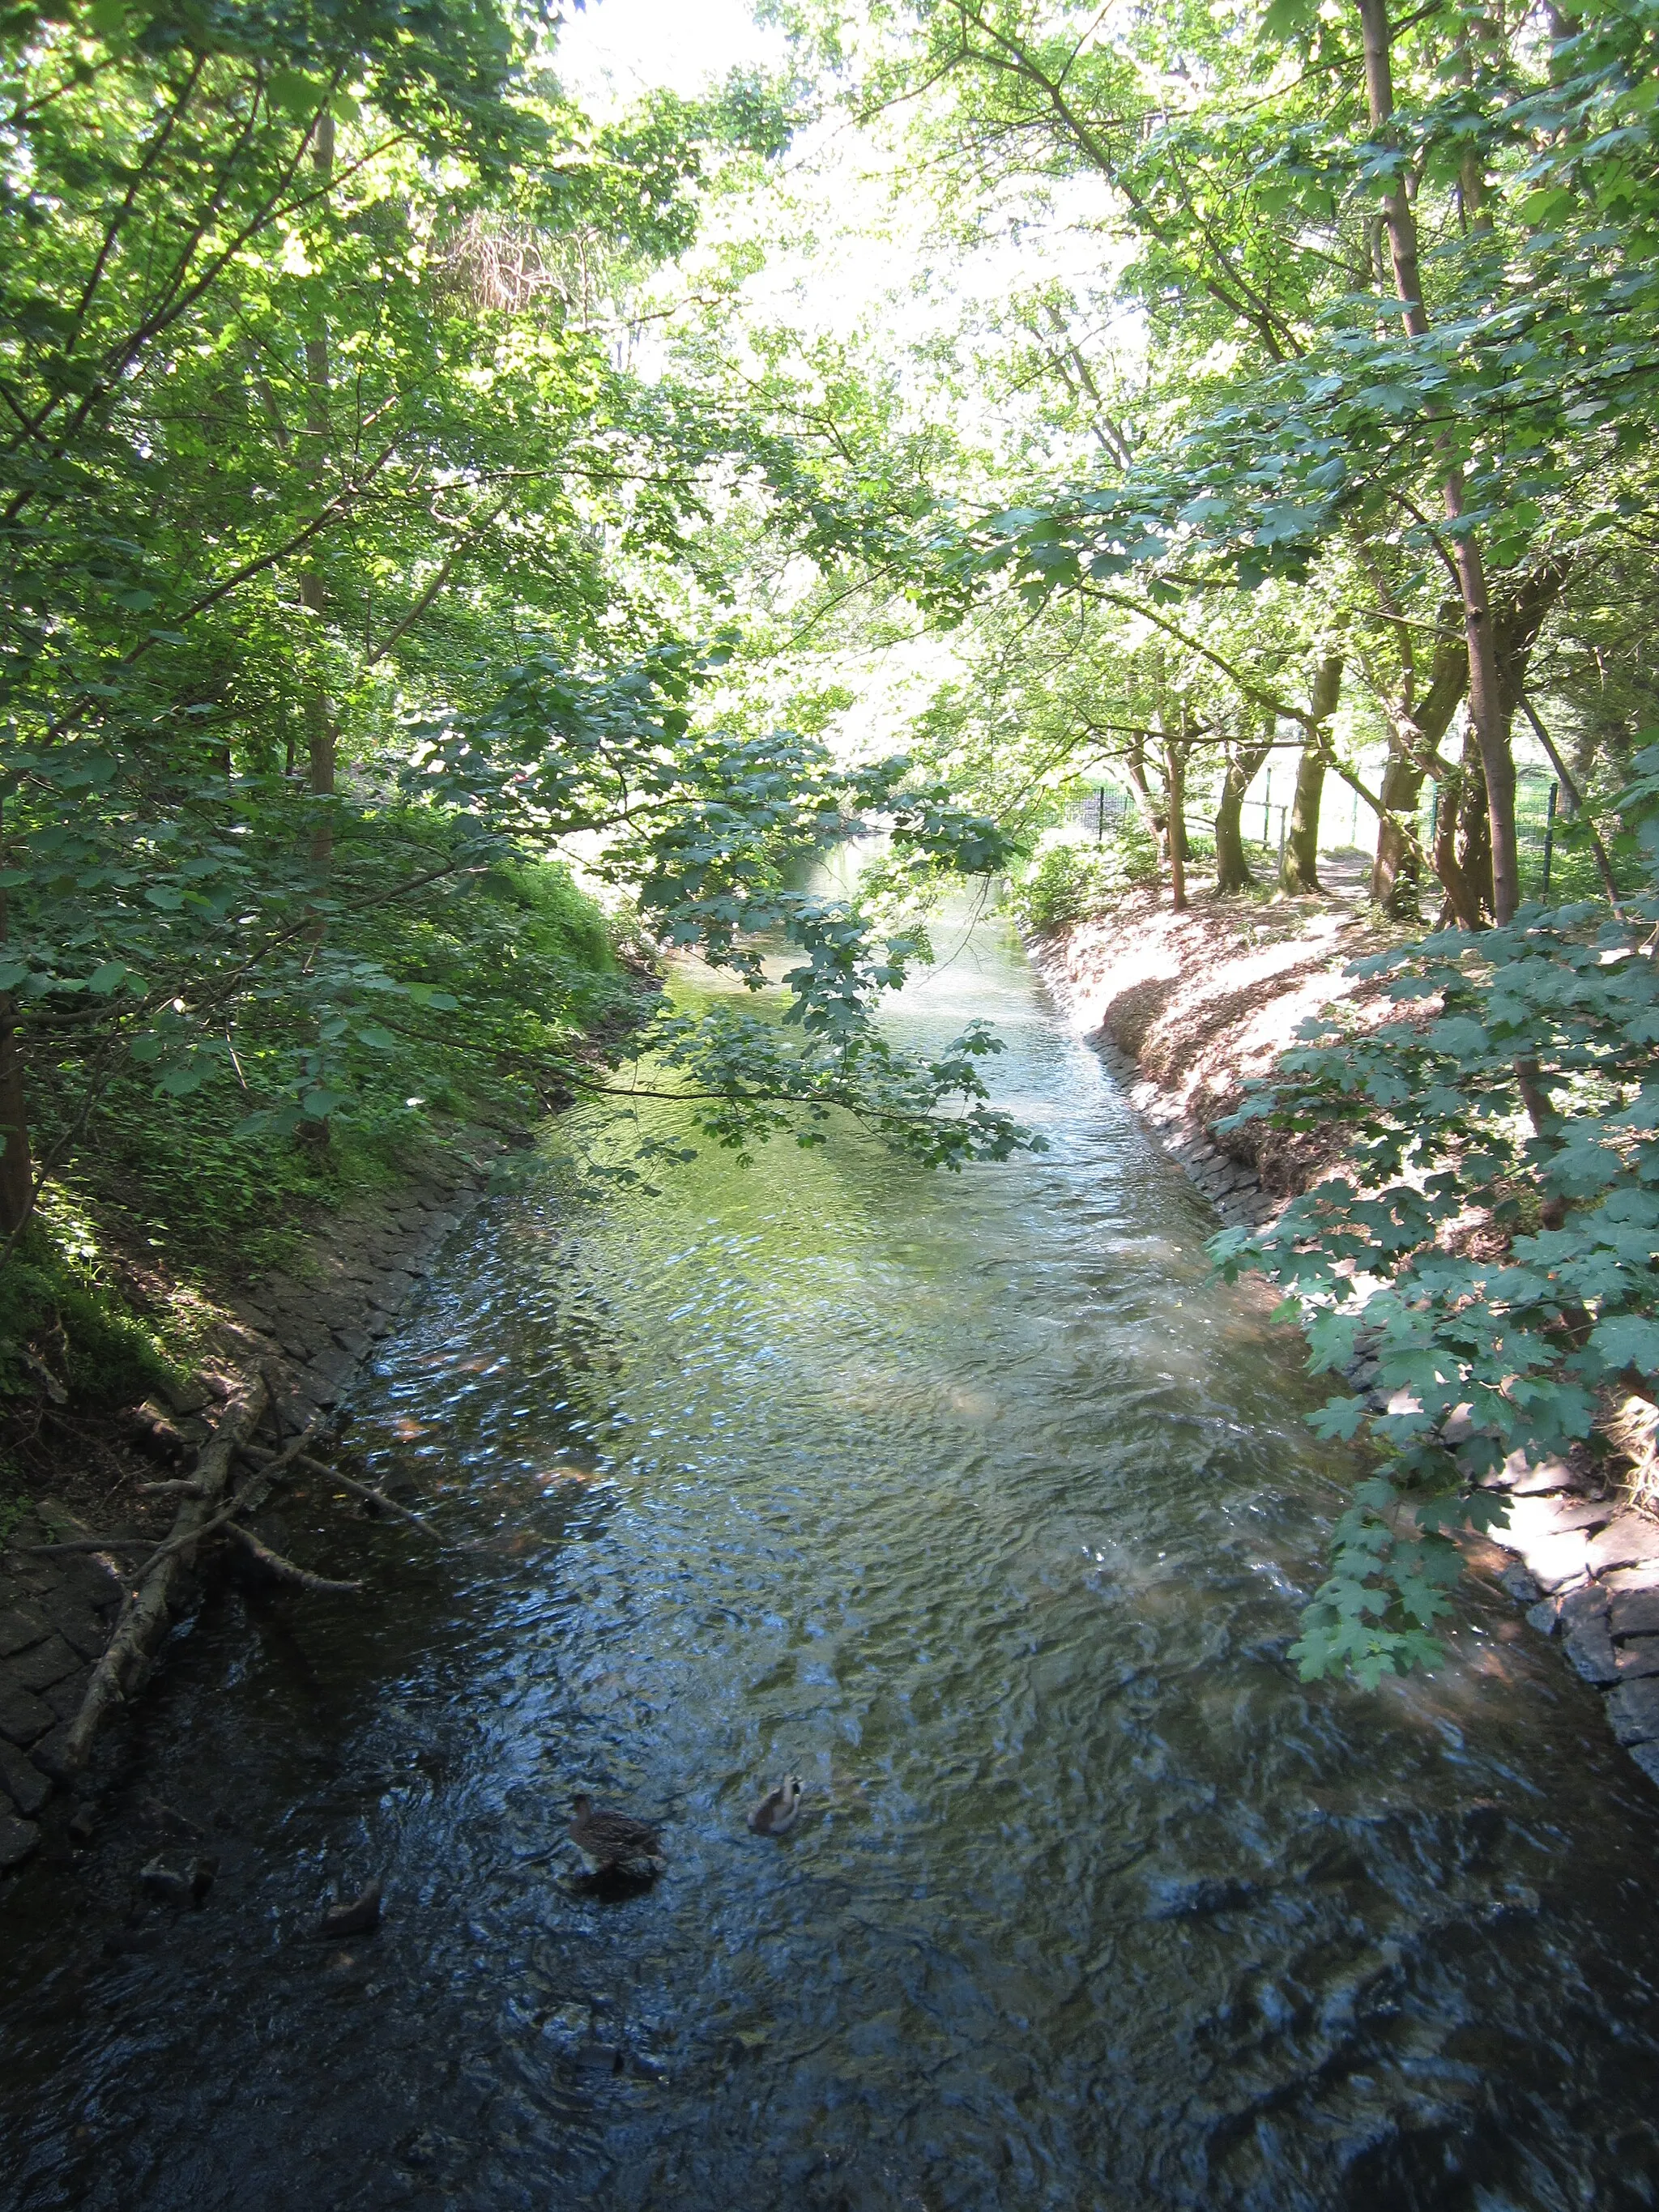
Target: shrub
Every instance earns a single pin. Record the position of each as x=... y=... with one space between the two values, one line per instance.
x=1067 y=882
x=1532 y=1099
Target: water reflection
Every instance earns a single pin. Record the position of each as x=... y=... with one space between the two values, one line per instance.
x=974 y=1503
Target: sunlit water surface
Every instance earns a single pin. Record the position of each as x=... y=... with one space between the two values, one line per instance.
x=974 y=1501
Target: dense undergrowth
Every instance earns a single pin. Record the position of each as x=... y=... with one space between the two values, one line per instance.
x=174 y=1199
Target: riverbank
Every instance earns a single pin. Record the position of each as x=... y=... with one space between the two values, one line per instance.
x=1189 y=1009
x=303 y=1328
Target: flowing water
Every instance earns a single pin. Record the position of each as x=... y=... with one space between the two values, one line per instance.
x=976 y=1503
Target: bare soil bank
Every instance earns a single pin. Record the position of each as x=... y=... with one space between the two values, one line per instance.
x=1189 y=1009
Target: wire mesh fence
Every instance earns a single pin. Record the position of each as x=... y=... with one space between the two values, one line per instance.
x=1347 y=823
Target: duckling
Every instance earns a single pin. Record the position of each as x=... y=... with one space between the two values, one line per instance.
x=613 y=1839
x=776 y=1812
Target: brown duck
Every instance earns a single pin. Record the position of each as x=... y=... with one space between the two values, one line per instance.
x=608 y=1840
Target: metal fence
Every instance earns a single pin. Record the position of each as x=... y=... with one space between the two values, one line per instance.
x=1345 y=820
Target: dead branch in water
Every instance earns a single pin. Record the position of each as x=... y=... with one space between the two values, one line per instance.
x=375 y=1499
x=284 y=1569
x=146 y=1615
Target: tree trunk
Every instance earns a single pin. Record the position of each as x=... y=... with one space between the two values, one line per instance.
x=1300 y=873
x=1462 y=892
x=1395 y=871
x=1174 y=774
x=1413 y=739
x=1232 y=869
x=1486 y=710
x=1474 y=848
x=1153 y=811
x=16 y=1168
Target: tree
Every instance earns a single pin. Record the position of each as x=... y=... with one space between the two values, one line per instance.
x=315 y=431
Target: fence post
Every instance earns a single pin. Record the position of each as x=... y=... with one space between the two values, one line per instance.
x=1283 y=812
x=1100 y=818
x=1267 y=802
x=1549 y=838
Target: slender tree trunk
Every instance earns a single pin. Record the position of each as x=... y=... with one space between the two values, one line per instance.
x=1485 y=711
x=1300 y=873
x=1232 y=869
x=1175 y=775
x=1395 y=871
x=1416 y=728
x=1474 y=849
x=16 y=1168
x=1153 y=811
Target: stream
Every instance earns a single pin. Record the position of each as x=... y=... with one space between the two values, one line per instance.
x=974 y=1501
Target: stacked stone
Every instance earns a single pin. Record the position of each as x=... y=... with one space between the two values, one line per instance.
x=1232 y=1186
x=54 y=1620
x=1590 y=1569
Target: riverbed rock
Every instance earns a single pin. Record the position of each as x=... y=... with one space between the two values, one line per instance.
x=1629 y=1540
x=1633 y=1709
x=1175 y=1897
x=1589 y=1647
x=1634 y=1613
x=17 y=1839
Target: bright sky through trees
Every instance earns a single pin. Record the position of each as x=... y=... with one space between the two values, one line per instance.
x=619 y=48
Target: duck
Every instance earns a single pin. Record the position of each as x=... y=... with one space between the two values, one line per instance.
x=608 y=1840
x=358 y=1916
x=776 y=1813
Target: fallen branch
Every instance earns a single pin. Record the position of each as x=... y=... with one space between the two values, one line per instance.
x=146 y=1615
x=180 y=1486
x=375 y=1498
x=285 y=1569
x=273 y=1465
x=91 y=1544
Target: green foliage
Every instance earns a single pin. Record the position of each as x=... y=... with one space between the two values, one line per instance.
x=60 y=1322
x=1069 y=882
x=1520 y=1084
x=341 y=571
